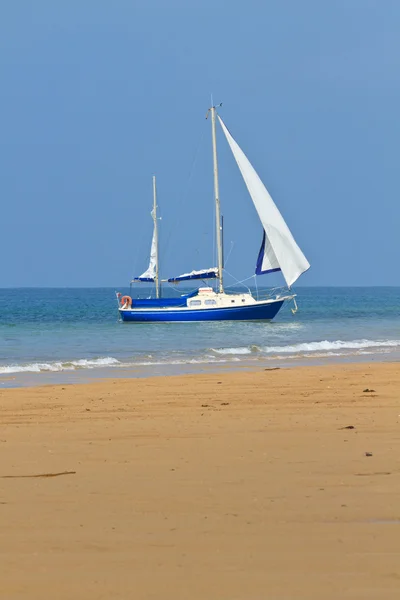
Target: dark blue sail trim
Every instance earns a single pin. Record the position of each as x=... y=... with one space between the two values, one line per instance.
x=259 y=270
x=208 y=275
x=145 y=279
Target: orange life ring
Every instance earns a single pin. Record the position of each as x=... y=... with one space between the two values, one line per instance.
x=126 y=300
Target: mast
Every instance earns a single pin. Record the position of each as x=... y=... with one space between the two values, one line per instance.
x=222 y=241
x=217 y=204
x=156 y=277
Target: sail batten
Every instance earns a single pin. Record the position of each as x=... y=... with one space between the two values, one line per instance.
x=279 y=250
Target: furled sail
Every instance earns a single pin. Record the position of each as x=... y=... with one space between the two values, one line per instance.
x=203 y=274
x=150 y=273
x=279 y=250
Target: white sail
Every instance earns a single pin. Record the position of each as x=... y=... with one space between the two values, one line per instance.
x=279 y=249
x=150 y=274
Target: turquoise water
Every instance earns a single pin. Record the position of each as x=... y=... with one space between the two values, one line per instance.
x=49 y=335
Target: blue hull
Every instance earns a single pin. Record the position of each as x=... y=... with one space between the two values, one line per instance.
x=258 y=312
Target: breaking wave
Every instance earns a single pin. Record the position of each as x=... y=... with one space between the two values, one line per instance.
x=72 y=365
x=322 y=346
x=318 y=350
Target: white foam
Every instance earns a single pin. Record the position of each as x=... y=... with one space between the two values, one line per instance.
x=241 y=350
x=60 y=366
x=108 y=361
x=32 y=368
x=335 y=345
x=97 y=362
x=186 y=361
x=319 y=349
x=306 y=347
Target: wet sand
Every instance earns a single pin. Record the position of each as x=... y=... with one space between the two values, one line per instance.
x=222 y=486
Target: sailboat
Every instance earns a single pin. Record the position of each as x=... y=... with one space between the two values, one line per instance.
x=279 y=252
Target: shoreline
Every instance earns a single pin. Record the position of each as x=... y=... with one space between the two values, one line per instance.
x=337 y=368
x=82 y=376
x=282 y=482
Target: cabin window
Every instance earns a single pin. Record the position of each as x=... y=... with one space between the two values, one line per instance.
x=232 y=301
x=243 y=300
x=195 y=303
x=210 y=302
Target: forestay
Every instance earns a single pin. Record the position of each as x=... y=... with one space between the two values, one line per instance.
x=279 y=250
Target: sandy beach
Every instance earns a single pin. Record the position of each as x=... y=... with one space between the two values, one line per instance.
x=278 y=484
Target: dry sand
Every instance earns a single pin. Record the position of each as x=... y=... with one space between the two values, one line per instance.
x=235 y=486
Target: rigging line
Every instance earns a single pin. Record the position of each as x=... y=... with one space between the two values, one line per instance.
x=214 y=249
x=176 y=291
x=279 y=288
x=185 y=194
x=229 y=253
x=271 y=292
x=238 y=282
x=139 y=252
x=170 y=285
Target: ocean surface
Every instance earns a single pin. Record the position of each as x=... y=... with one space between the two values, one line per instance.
x=70 y=335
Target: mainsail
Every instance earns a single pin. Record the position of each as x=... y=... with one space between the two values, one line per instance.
x=150 y=273
x=279 y=250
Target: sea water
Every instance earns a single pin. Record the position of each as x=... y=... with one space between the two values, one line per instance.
x=69 y=335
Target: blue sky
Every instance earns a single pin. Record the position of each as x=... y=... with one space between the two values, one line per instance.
x=96 y=96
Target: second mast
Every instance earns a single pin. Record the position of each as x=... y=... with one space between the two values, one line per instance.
x=156 y=275
x=217 y=203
